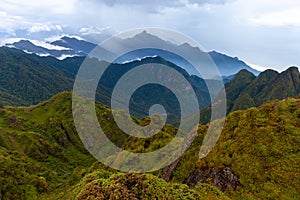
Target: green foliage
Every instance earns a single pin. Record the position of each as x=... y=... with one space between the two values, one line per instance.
x=245 y=91
x=26 y=79
x=42 y=157
x=261 y=146
x=39 y=148
x=144 y=186
x=19 y=178
x=243 y=102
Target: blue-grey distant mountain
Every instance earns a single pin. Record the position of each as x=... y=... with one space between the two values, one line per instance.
x=29 y=47
x=66 y=46
x=75 y=46
x=227 y=65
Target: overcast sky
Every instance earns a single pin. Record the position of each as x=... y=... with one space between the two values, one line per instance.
x=260 y=32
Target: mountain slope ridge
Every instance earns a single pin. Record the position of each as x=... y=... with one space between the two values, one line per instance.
x=246 y=91
x=74 y=46
x=256 y=156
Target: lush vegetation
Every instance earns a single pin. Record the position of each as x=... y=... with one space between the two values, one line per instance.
x=27 y=79
x=246 y=90
x=39 y=148
x=256 y=157
x=42 y=156
x=97 y=183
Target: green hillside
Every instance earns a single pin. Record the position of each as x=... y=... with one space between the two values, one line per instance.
x=41 y=156
x=26 y=80
x=256 y=157
x=246 y=90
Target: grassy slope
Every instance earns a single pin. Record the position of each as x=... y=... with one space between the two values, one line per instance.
x=27 y=79
x=256 y=157
x=42 y=157
x=41 y=144
x=261 y=148
x=99 y=183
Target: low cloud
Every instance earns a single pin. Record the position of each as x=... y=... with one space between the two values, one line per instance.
x=258 y=31
x=43 y=27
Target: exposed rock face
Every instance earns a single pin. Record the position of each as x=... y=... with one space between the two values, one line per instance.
x=221 y=178
x=167 y=171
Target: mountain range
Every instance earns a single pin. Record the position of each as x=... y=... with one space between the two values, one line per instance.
x=70 y=46
x=42 y=156
x=62 y=48
x=246 y=90
x=27 y=79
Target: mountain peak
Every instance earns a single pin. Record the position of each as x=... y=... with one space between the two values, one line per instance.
x=293 y=69
x=71 y=45
x=25 y=41
x=245 y=72
x=243 y=77
x=269 y=71
x=143 y=33
x=292 y=72
x=230 y=65
x=73 y=37
x=267 y=75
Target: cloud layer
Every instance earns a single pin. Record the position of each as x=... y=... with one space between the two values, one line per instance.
x=262 y=32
